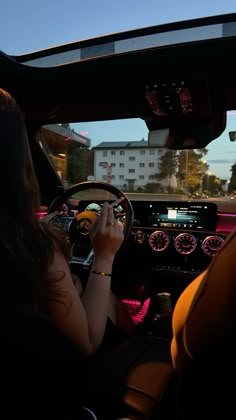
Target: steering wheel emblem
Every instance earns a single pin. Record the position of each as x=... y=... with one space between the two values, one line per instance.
x=84 y=220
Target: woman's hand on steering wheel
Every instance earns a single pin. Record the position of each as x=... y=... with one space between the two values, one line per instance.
x=106 y=233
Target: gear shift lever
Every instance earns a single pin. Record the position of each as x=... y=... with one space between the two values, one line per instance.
x=163 y=304
x=161 y=319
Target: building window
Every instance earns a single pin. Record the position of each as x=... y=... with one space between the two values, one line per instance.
x=141 y=176
x=151 y=177
x=142 y=165
x=122 y=165
x=160 y=152
x=151 y=152
x=121 y=177
x=113 y=177
x=122 y=152
x=131 y=171
x=104 y=153
x=142 y=152
x=151 y=165
x=131 y=158
x=113 y=165
x=104 y=177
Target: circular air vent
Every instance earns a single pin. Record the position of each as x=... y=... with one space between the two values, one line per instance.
x=159 y=240
x=185 y=243
x=211 y=244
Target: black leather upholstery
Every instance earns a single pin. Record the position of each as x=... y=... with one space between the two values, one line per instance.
x=138 y=379
x=37 y=363
x=42 y=374
x=205 y=392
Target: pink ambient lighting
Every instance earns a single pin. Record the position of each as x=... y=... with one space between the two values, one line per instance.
x=41 y=214
x=136 y=310
x=226 y=222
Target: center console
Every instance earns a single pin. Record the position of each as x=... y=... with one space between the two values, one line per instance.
x=176 y=236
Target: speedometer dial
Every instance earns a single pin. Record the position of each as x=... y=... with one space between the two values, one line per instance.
x=93 y=207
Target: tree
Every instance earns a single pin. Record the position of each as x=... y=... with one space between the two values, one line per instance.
x=79 y=164
x=167 y=166
x=191 y=169
x=186 y=165
x=232 y=184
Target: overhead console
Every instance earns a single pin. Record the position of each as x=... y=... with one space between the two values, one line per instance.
x=169 y=98
x=183 y=112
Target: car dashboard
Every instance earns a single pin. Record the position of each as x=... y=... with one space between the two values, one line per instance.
x=171 y=242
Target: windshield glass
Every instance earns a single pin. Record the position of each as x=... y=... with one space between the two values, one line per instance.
x=117 y=152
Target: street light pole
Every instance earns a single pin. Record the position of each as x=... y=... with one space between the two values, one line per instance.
x=208 y=174
x=227 y=186
x=186 y=172
x=203 y=173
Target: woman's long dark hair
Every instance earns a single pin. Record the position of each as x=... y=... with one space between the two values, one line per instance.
x=26 y=244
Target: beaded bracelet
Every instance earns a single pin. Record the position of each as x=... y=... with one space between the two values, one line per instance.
x=101 y=273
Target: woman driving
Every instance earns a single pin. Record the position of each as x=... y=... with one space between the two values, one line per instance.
x=34 y=255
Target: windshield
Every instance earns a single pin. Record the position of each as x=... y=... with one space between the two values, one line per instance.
x=117 y=152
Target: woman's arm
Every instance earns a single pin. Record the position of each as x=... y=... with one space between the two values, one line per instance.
x=83 y=319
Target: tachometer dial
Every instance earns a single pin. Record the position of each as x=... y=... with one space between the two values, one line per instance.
x=159 y=240
x=211 y=244
x=185 y=243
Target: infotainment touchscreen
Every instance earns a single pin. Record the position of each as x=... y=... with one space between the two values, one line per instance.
x=183 y=215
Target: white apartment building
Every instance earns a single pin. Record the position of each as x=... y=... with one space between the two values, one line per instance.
x=127 y=165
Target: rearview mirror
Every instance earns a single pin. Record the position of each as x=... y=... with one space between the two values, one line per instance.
x=188 y=136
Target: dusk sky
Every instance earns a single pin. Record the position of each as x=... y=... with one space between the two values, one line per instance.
x=30 y=25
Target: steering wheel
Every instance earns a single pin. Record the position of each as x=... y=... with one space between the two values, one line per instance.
x=84 y=251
